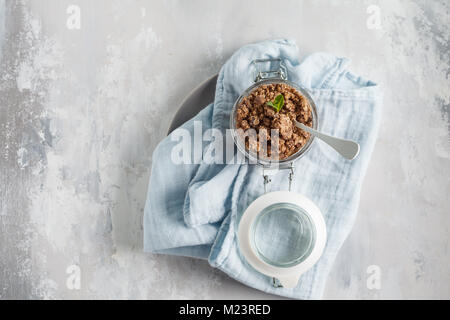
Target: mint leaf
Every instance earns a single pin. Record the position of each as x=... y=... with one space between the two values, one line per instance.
x=278 y=103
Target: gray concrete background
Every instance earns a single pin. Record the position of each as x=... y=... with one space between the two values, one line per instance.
x=82 y=110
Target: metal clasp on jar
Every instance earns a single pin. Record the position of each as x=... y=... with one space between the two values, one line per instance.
x=277 y=72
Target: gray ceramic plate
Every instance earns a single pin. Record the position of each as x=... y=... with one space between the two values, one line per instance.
x=195 y=101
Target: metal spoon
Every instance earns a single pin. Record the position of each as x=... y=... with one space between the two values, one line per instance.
x=347 y=148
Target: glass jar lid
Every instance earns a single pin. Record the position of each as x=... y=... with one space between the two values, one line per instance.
x=283 y=235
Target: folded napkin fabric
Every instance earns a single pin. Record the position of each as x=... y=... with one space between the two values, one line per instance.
x=192 y=209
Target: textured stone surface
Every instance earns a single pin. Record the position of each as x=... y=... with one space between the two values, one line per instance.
x=82 y=110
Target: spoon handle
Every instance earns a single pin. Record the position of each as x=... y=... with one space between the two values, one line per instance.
x=347 y=148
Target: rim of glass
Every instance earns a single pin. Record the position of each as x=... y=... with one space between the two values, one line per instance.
x=251 y=155
x=299 y=211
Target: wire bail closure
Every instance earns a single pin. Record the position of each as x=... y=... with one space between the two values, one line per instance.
x=279 y=72
x=267 y=180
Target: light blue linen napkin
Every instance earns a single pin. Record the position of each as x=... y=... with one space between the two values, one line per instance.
x=191 y=209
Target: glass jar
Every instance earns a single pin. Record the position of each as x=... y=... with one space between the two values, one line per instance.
x=278 y=76
x=281 y=234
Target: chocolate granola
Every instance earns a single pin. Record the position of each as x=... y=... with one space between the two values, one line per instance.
x=254 y=113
